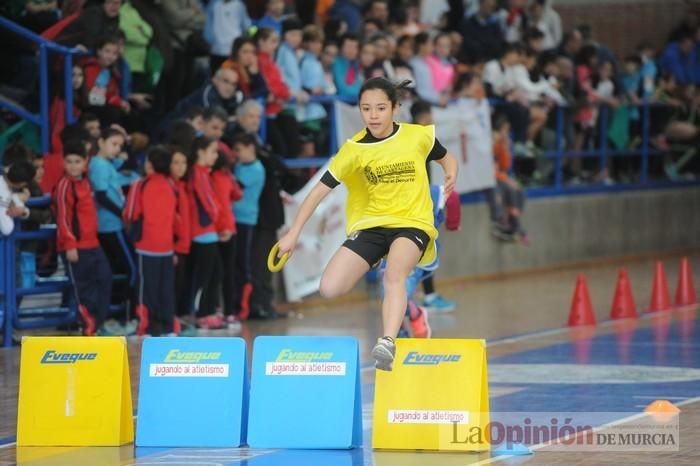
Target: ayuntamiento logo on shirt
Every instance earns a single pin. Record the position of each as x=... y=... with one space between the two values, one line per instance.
x=390 y=173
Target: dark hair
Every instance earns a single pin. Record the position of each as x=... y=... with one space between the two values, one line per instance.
x=420 y=40
x=200 y=143
x=419 y=107
x=194 y=112
x=331 y=28
x=291 y=23
x=22 y=171
x=440 y=35
x=87 y=116
x=244 y=139
x=239 y=43
x=634 y=58
x=107 y=133
x=404 y=38
x=509 y=48
x=221 y=162
x=390 y=89
x=74 y=147
x=74 y=132
x=533 y=33
x=262 y=34
x=463 y=80
x=378 y=24
x=160 y=158
x=586 y=54
x=346 y=37
x=499 y=120
x=108 y=39
x=182 y=135
x=312 y=33
x=16 y=152
x=215 y=112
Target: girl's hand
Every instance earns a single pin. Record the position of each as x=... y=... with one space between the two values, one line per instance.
x=450 y=181
x=287 y=243
x=72 y=255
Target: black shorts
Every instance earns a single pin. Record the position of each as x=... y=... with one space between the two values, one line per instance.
x=374 y=243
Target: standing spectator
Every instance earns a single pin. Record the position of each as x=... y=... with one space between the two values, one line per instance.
x=138 y=35
x=93 y=23
x=274 y=15
x=681 y=59
x=227 y=192
x=107 y=184
x=53 y=162
x=57 y=112
x=288 y=63
x=251 y=175
x=346 y=69
x=249 y=117
x=204 y=210
x=425 y=88
x=244 y=61
x=571 y=45
x=441 y=64
x=514 y=21
x=226 y=21
x=76 y=240
x=183 y=236
x=544 y=18
x=151 y=211
x=482 y=34
x=328 y=56
x=649 y=70
x=184 y=20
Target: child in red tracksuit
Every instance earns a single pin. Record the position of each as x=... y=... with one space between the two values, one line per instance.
x=227 y=192
x=204 y=212
x=76 y=239
x=151 y=212
x=102 y=82
x=183 y=238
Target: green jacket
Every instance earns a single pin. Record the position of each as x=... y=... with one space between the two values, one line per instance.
x=138 y=37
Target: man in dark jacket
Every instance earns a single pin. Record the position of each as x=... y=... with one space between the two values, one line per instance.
x=93 y=23
x=482 y=34
x=222 y=91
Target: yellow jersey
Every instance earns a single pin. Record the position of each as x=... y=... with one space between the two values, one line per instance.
x=387 y=182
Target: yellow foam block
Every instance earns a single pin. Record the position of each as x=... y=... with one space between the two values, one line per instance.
x=74 y=391
x=436 y=398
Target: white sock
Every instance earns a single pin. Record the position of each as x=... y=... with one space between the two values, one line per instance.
x=431 y=296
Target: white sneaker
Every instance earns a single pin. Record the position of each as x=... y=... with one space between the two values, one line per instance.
x=383 y=353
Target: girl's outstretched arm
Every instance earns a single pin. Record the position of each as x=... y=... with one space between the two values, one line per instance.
x=449 y=166
x=289 y=241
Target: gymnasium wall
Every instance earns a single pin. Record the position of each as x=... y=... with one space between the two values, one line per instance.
x=571 y=229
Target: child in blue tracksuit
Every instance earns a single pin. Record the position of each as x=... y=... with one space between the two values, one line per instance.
x=250 y=174
x=108 y=183
x=443 y=210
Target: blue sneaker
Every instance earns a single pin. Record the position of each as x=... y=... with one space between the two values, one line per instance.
x=439 y=304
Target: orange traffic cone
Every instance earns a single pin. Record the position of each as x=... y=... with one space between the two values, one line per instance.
x=623 y=306
x=685 y=293
x=662 y=410
x=660 y=299
x=581 y=307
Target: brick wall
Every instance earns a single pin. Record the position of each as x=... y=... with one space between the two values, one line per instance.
x=623 y=25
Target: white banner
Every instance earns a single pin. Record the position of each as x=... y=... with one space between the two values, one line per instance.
x=464 y=129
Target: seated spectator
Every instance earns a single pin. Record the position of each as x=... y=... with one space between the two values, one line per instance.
x=499 y=79
x=531 y=82
x=369 y=28
x=93 y=23
x=368 y=61
x=102 y=83
x=514 y=20
x=273 y=17
x=244 y=61
x=649 y=70
x=534 y=39
x=37 y=15
x=248 y=119
x=544 y=18
x=311 y=115
x=282 y=128
x=571 y=45
x=346 y=69
x=377 y=10
x=184 y=20
x=226 y=21
x=328 y=56
x=420 y=64
x=402 y=58
x=288 y=63
x=222 y=91
x=681 y=59
x=349 y=12
x=442 y=64
x=214 y=123
x=57 y=112
x=482 y=34
x=14 y=192
x=381 y=54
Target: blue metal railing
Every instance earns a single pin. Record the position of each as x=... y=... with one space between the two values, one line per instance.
x=41 y=119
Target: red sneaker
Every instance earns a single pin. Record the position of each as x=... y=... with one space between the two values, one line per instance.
x=88 y=320
x=245 y=301
x=210 y=322
x=419 y=325
x=177 y=326
x=142 y=314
